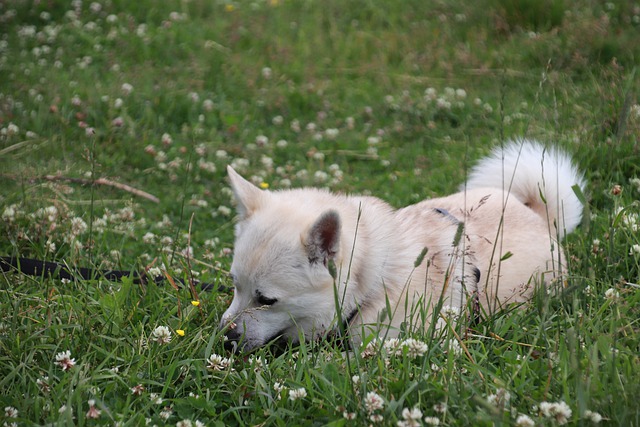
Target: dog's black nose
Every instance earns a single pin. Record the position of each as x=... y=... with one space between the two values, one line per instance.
x=232 y=338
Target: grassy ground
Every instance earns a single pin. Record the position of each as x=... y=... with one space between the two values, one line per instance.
x=394 y=99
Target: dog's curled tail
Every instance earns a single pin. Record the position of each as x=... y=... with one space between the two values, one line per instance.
x=540 y=177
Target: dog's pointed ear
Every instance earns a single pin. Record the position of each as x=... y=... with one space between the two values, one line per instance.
x=248 y=197
x=324 y=237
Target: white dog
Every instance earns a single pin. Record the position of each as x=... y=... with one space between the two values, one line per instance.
x=307 y=261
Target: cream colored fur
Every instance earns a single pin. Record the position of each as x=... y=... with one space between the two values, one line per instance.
x=298 y=251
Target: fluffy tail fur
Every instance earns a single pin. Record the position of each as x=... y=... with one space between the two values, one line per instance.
x=540 y=177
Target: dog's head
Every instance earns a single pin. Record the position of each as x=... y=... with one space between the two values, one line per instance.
x=283 y=286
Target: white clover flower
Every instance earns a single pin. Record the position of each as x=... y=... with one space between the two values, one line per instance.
x=154 y=272
x=166 y=139
x=212 y=243
x=415 y=347
x=376 y=418
x=161 y=156
x=259 y=364
x=267 y=73
x=349 y=415
x=373 y=140
x=207 y=166
x=64 y=360
x=149 y=238
x=524 y=421
x=350 y=122
x=93 y=412
x=455 y=347
x=320 y=176
x=12 y=129
x=9 y=213
x=443 y=104
x=262 y=140
x=500 y=399
x=559 y=411
x=43 y=384
x=161 y=335
x=165 y=414
x=298 y=393
x=10 y=412
x=635 y=249
x=450 y=311
x=278 y=388
x=373 y=401
x=432 y=421
x=594 y=417
x=411 y=417
x=208 y=105
x=126 y=89
x=137 y=390
x=224 y=210
x=393 y=346
x=78 y=226
x=440 y=408
x=331 y=133
x=611 y=294
x=218 y=363
x=371 y=349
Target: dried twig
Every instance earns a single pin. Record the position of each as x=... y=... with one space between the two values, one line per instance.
x=99 y=181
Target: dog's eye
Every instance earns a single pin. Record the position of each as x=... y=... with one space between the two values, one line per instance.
x=264 y=300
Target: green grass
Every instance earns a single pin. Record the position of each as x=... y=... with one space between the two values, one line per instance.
x=345 y=85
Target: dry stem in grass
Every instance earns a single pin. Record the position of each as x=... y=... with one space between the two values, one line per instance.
x=100 y=181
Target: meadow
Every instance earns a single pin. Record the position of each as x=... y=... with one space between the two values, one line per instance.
x=118 y=118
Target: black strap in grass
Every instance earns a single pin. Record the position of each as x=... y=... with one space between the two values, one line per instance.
x=57 y=270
